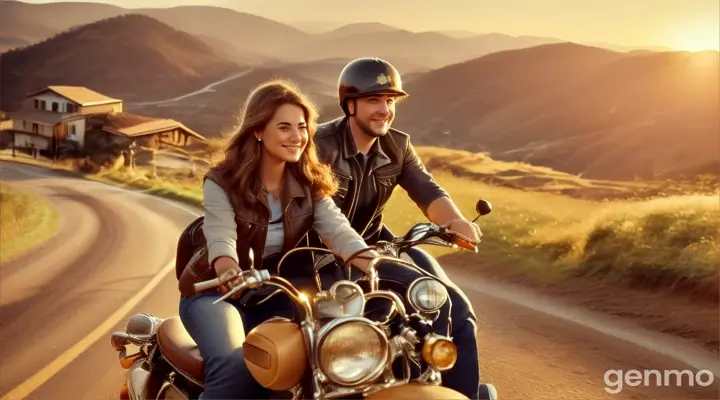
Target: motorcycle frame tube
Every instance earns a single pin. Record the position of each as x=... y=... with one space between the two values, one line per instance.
x=411 y=266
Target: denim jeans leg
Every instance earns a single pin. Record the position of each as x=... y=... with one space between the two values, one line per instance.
x=465 y=375
x=218 y=331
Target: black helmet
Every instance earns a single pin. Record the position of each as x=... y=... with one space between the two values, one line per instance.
x=367 y=76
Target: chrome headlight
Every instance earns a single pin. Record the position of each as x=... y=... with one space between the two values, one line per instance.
x=352 y=351
x=427 y=294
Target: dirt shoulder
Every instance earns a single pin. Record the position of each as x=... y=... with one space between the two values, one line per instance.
x=660 y=311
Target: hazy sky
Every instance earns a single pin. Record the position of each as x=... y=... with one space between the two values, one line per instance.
x=687 y=24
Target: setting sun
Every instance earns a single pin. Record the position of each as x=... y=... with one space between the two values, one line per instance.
x=698 y=37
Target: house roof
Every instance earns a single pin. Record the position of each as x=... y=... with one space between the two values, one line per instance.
x=78 y=94
x=33 y=115
x=134 y=125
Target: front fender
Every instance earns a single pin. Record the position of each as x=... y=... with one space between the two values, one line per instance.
x=416 y=391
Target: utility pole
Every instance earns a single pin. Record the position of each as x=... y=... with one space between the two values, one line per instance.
x=131 y=153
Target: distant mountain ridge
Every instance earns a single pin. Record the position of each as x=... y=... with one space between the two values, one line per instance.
x=264 y=39
x=574 y=108
x=581 y=109
x=130 y=57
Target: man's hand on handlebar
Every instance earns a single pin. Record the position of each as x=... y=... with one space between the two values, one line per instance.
x=468 y=231
x=466 y=234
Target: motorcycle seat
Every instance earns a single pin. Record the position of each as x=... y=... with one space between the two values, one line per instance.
x=180 y=349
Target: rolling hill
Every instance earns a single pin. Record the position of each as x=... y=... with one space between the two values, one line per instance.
x=215 y=113
x=31 y=23
x=129 y=57
x=574 y=108
x=220 y=27
x=246 y=31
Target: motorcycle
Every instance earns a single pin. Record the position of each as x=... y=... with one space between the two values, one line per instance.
x=330 y=349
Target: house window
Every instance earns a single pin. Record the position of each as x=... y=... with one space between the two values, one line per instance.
x=37 y=104
x=71 y=108
x=43 y=105
x=72 y=129
x=55 y=106
x=36 y=128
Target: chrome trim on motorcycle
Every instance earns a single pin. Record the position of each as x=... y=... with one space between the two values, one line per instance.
x=169 y=388
x=342 y=299
x=138 y=379
x=339 y=310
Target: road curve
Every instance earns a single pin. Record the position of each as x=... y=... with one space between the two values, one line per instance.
x=208 y=88
x=110 y=244
x=124 y=239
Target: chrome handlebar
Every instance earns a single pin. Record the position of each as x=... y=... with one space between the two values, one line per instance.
x=250 y=278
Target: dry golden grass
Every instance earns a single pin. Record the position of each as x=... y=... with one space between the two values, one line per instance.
x=667 y=242
x=670 y=242
x=25 y=221
x=519 y=175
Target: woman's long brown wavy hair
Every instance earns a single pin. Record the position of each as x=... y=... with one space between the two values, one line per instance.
x=243 y=154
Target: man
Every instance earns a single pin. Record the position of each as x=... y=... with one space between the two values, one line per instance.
x=370 y=159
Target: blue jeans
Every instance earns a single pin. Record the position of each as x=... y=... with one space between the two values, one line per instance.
x=465 y=375
x=216 y=328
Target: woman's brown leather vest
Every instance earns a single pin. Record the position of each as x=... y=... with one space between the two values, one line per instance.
x=252 y=227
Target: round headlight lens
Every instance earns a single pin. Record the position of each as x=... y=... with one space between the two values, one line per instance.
x=353 y=352
x=427 y=294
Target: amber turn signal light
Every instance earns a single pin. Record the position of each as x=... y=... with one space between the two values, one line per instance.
x=440 y=352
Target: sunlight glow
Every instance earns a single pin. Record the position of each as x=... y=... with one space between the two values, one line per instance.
x=698 y=37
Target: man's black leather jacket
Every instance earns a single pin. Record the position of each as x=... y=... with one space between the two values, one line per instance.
x=395 y=163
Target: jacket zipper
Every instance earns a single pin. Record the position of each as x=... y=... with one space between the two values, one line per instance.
x=356 y=190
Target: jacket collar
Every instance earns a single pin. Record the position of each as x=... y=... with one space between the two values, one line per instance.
x=292 y=188
x=350 y=150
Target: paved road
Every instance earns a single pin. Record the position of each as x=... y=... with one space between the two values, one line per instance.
x=207 y=89
x=58 y=305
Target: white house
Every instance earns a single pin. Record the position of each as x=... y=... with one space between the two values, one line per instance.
x=58 y=114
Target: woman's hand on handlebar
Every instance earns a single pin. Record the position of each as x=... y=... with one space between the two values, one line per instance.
x=227 y=270
x=363 y=259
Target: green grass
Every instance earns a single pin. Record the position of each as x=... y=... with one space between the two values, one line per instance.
x=26 y=220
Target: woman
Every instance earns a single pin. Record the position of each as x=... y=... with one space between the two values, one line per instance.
x=266 y=194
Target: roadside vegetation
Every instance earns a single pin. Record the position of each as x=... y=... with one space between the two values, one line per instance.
x=592 y=243
x=546 y=224
x=26 y=220
x=668 y=243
